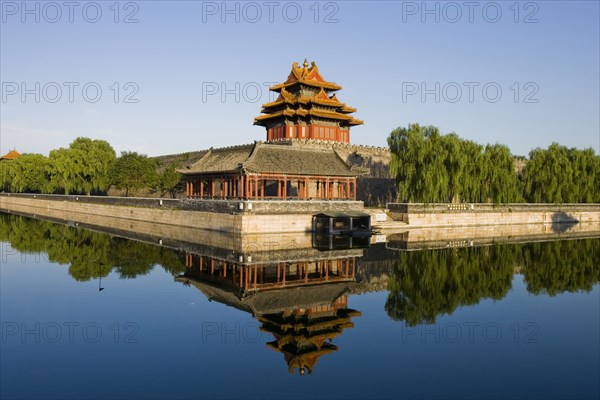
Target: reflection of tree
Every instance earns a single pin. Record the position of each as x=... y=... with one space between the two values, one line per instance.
x=563 y=266
x=426 y=284
x=132 y=258
x=89 y=254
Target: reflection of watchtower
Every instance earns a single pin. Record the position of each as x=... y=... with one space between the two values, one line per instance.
x=304 y=335
x=270 y=276
x=302 y=303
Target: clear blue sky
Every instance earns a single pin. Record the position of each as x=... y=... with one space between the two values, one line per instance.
x=383 y=54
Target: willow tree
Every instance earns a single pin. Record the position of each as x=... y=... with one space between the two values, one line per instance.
x=61 y=171
x=455 y=163
x=83 y=167
x=562 y=175
x=500 y=181
x=91 y=161
x=475 y=172
x=418 y=157
x=7 y=175
x=30 y=173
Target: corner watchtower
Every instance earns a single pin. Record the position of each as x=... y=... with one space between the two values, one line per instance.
x=307 y=108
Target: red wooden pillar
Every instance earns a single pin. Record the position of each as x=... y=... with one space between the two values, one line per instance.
x=354 y=192
x=307 y=189
x=212 y=187
x=285 y=187
x=278 y=271
x=347 y=188
x=306 y=272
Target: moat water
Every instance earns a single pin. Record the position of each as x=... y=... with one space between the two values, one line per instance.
x=90 y=315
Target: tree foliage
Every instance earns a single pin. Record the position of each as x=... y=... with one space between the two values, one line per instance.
x=29 y=173
x=562 y=175
x=81 y=168
x=133 y=171
x=169 y=180
x=430 y=167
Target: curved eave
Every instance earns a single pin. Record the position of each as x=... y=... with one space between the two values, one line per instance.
x=316 y=84
x=313 y=113
x=220 y=172
x=306 y=101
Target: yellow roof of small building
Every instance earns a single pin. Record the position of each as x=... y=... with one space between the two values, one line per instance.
x=11 y=155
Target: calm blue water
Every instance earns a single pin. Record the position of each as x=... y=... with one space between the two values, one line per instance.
x=508 y=321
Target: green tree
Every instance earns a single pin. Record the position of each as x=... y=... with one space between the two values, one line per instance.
x=133 y=171
x=30 y=173
x=7 y=175
x=562 y=175
x=500 y=178
x=61 y=170
x=82 y=168
x=169 y=180
x=417 y=161
x=91 y=161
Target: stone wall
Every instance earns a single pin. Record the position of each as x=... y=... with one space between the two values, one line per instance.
x=215 y=215
x=436 y=215
x=379 y=187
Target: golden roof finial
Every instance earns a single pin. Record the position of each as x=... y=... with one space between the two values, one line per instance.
x=305 y=63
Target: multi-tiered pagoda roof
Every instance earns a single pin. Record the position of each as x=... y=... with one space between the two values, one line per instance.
x=307 y=108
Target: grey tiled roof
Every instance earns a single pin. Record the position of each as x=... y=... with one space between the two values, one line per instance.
x=271 y=158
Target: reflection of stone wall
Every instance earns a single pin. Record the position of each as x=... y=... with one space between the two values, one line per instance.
x=473 y=236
